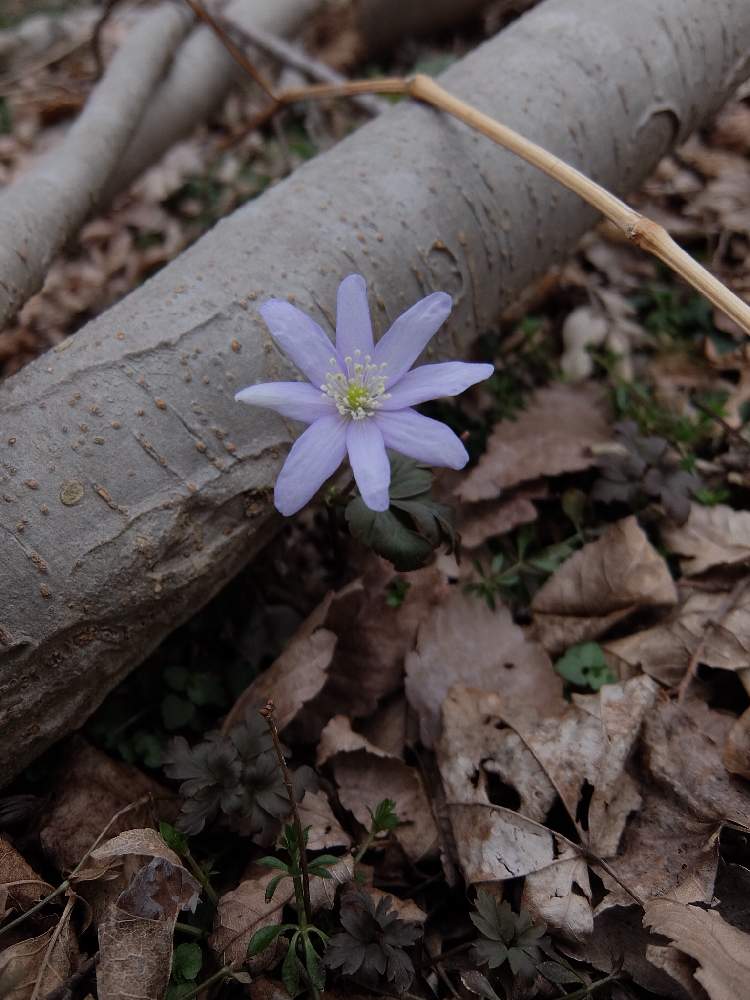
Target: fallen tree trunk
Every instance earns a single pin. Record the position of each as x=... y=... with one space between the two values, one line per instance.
x=133 y=487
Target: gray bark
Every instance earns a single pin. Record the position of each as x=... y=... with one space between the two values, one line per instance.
x=132 y=487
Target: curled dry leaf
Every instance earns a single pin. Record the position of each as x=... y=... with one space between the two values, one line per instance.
x=89 y=790
x=296 y=677
x=39 y=965
x=721 y=951
x=464 y=642
x=554 y=434
x=19 y=883
x=712 y=536
x=365 y=775
x=560 y=897
x=664 y=651
x=136 y=931
x=603 y=583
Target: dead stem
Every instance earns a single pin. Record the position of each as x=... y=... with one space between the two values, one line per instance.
x=267 y=713
x=640 y=230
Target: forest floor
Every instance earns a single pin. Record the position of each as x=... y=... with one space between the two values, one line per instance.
x=537 y=746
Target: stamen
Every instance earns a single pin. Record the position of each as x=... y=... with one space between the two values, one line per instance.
x=358 y=392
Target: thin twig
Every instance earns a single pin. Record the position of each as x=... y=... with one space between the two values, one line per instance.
x=96 y=37
x=234 y=51
x=67 y=987
x=61 y=924
x=224 y=972
x=293 y=56
x=640 y=230
x=724 y=611
x=267 y=713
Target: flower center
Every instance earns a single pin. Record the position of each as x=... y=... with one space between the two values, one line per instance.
x=360 y=390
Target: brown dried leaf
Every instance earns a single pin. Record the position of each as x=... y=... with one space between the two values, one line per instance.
x=325 y=831
x=90 y=789
x=372 y=641
x=18 y=880
x=297 y=676
x=664 y=650
x=495 y=844
x=603 y=583
x=135 y=956
x=737 y=747
x=722 y=952
x=683 y=751
x=365 y=775
x=560 y=896
x=464 y=642
x=241 y=913
x=39 y=965
x=489 y=518
x=591 y=745
x=554 y=434
x=619 y=935
x=476 y=749
x=712 y=536
x=159 y=890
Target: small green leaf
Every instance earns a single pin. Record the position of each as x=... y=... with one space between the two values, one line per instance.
x=176 y=712
x=271 y=862
x=586 y=666
x=173 y=838
x=325 y=859
x=573 y=505
x=205 y=689
x=384 y=818
x=273 y=886
x=263 y=938
x=319 y=871
x=176 y=677
x=557 y=973
x=408 y=478
x=187 y=960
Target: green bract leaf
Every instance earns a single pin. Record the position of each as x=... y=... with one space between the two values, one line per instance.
x=271 y=862
x=292 y=968
x=408 y=478
x=387 y=535
x=263 y=938
x=313 y=964
x=586 y=666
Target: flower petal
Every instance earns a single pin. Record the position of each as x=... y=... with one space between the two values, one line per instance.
x=315 y=456
x=370 y=464
x=300 y=338
x=433 y=381
x=422 y=438
x=402 y=344
x=353 y=323
x=296 y=400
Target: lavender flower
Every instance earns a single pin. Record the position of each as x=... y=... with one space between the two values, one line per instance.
x=360 y=395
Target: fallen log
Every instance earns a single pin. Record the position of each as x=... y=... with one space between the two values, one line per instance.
x=132 y=487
